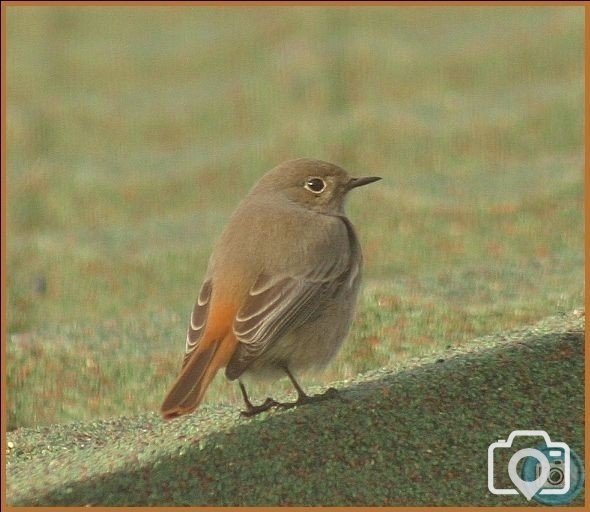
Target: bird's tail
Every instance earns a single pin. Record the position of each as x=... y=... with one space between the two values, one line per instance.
x=188 y=390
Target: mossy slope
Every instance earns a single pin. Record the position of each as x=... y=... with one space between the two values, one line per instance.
x=416 y=435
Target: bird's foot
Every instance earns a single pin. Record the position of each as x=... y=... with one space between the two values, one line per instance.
x=303 y=399
x=253 y=410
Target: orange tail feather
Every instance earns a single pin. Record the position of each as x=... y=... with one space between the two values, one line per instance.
x=187 y=392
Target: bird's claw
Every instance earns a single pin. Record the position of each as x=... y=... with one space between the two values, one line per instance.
x=253 y=410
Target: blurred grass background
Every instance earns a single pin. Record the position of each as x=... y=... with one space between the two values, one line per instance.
x=133 y=133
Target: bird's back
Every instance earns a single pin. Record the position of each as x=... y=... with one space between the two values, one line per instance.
x=295 y=251
x=280 y=239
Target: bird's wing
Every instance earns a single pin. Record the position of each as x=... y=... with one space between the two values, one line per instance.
x=198 y=321
x=275 y=305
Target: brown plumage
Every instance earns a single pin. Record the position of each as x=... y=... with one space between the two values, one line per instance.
x=281 y=285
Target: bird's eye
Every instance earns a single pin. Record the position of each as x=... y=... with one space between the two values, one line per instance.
x=315 y=185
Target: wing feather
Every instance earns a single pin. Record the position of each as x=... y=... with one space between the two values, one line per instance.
x=277 y=305
x=198 y=321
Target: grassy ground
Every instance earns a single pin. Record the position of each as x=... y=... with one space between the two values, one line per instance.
x=416 y=434
x=134 y=132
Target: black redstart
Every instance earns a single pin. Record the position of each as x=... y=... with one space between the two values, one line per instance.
x=280 y=288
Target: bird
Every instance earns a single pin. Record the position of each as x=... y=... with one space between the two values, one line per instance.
x=280 y=290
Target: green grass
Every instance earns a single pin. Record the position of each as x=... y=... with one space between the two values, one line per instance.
x=414 y=434
x=134 y=132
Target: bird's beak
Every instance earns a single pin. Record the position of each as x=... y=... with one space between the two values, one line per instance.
x=359 y=182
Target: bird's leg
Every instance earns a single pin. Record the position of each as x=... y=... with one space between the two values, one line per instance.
x=302 y=397
x=252 y=410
